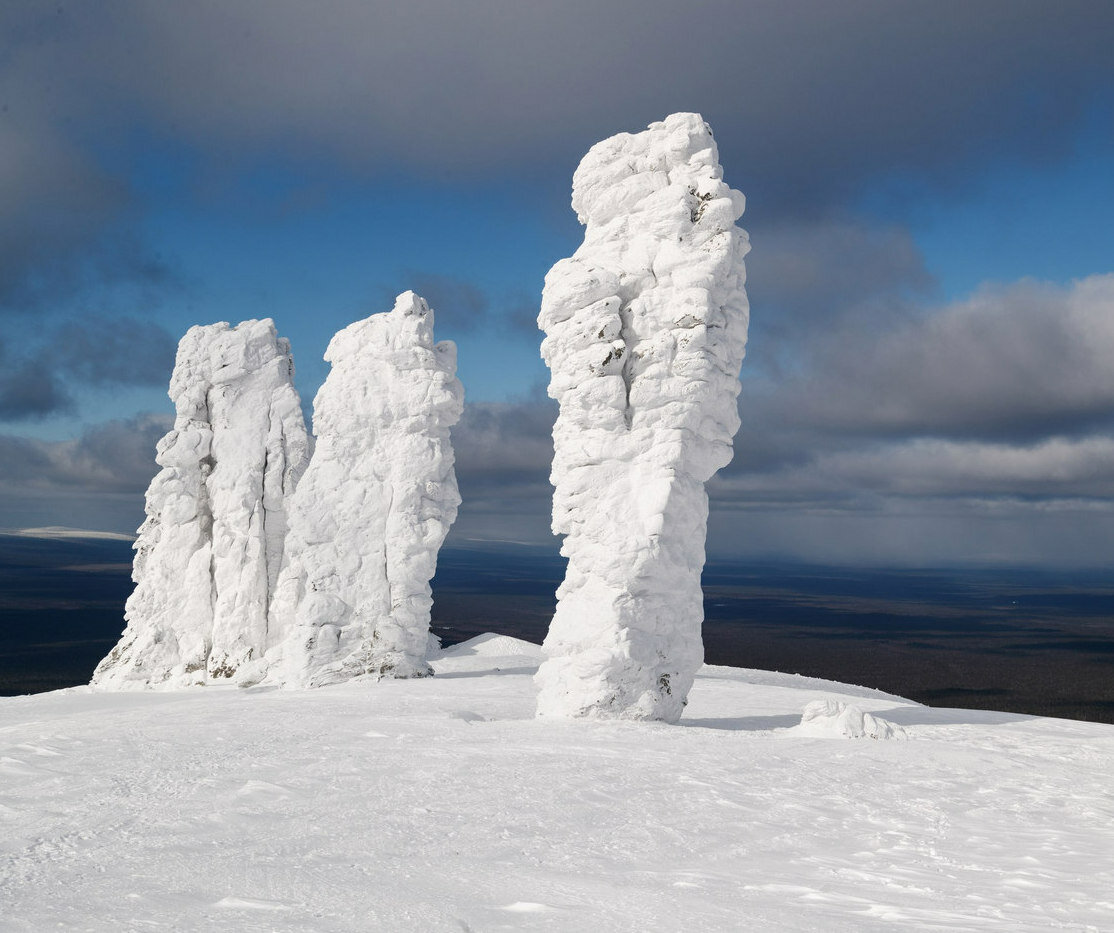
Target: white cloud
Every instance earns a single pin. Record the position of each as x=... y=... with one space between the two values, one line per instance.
x=115 y=456
x=934 y=468
x=1028 y=360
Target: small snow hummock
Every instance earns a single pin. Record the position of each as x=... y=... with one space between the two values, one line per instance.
x=374 y=506
x=646 y=328
x=209 y=552
x=836 y=719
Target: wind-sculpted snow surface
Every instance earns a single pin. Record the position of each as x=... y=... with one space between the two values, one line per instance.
x=210 y=550
x=441 y=805
x=645 y=332
x=374 y=505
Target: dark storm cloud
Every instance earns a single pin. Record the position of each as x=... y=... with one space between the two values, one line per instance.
x=951 y=533
x=810 y=494
x=1006 y=395
x=95 y=351
x=458 y=305
x=30 y=389
x=53 y=202
x=505 y=442
x=65 y=221
x=113 y=351
x=808 y=98
x=503 y=455
x=858 y=399
x=1017 y=363
x=1001 y=406
x=871 y=476
x=112 y=457
x=66 y=218
x=520 y=313
x=806 y=274
x=461 y=306
x=1059 y=468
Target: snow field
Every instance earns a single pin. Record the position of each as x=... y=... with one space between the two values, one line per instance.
x=443 y=804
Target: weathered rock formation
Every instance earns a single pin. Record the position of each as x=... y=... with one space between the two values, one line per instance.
x=374 y=506
x=209 y=553
x=645 y=328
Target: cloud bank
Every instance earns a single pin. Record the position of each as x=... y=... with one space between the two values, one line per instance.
x=810 y=99
x=877 y=419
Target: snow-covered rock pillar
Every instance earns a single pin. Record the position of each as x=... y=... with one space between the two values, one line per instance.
x=210 y=550
x=646 y=328
x=374 y=506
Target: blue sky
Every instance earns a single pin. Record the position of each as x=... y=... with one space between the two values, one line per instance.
x=1012 y=218
x=930 y=189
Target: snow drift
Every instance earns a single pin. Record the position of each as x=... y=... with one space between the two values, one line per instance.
x=209 y=552
x=374 y=506
x=645 y=328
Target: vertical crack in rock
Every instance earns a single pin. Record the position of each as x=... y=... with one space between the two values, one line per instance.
x=645 y=332
x=267 y=527
x=369 y=516
x=198 y=613
x=627 y=355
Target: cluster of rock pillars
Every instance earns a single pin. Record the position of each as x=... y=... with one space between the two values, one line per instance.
x=270 y=556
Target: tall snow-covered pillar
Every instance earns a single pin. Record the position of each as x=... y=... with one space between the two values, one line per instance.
x=209 y=552
x=374 y=506
x=646 y=328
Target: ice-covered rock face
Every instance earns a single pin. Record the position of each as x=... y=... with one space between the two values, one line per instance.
x=209 y=552
x=645 y=328
x=374 y=506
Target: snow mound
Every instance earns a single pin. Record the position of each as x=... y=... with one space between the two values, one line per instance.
x=646 y=327
x=490 y=645
x=489 y=654
x=834 y=719
x=759 y=678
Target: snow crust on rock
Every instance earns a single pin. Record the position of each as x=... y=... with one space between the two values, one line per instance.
x=209 y=553
x=374 y=506
x=646 y=328
x=837 y=719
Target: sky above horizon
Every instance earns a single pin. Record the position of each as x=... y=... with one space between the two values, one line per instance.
x=930 y=193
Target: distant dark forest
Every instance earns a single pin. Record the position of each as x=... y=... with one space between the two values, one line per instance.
x=1016 y=640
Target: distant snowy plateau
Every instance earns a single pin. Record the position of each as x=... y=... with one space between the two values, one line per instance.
x=444 y=804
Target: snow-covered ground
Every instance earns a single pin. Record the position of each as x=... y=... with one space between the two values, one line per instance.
x=442 y=804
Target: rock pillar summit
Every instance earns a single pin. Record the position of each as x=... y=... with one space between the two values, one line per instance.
x=646 y=327
x=210 y=550
x=374 y=506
